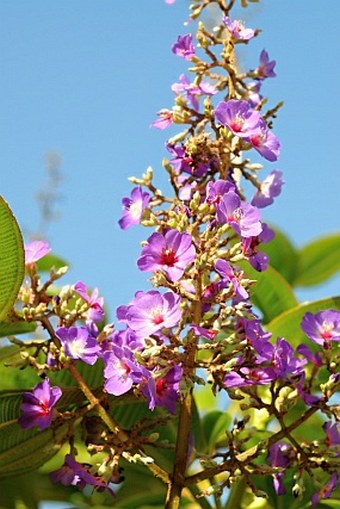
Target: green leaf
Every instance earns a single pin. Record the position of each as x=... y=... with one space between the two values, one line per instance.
x=15 y=328
x=271 y=293
x=215 y=425
x=282 y=255
x=318 y=261
x=332 y=502
x=288 y=323
x=12 y=258
x=11 y=375
x=34 y=487
x=47 y=262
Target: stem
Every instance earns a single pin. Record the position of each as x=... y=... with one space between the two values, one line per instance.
x=111 y=424
x=106 y=418
x=176 y=485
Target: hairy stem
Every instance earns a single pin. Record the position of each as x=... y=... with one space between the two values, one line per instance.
x=176 y=485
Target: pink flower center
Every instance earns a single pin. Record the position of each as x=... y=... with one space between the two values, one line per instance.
x=168 y=257
x=236 y=124
x=44 y=409
x=156 y=316
x=122 y=367
x=167 y=115
x=236 y=216
x=326 y=333
x=161 y=386
x=256 y=140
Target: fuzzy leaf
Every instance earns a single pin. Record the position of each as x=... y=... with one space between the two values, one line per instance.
x=12 y=258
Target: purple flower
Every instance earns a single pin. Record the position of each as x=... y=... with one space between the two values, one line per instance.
x=148 y=387
x=253 y=95
x=327 y=490
x=196 y=165
x=333 y=435
x=322 y=327
x=242 y=217
x=278 y=457
x=249 y=376
x=266 y=67
x=73 y=473
x=257 y=259
x=254 y=332
x=314 y=358
x=304 y=392
x=283 y=361
x=184 y=47
x=270 y=188
x=239 y=117
x=238 y=30
x=265 y=142
x=96 y=311
x=209 y=294
x=133 y=208
x=37 y=406
x=121 y=370
x=165 y=119
x=225 y=270
x=181 y=161
x=150 y=312
x=186 y=188
x=171 y=252
x=78 y=343
x=202 y=332
x=167 y=389
x=124 y=338
x=36 y=250
x=215 y=190
x=193 y=91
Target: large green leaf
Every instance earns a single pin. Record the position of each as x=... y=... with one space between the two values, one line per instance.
x=12 y=258
x=282 y=255
x=318 y=261
x=272 y=294
x=288 y=323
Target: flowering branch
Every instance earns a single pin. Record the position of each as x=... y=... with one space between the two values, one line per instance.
x=197 y=326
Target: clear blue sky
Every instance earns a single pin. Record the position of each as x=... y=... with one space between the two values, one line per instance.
x=86 y=77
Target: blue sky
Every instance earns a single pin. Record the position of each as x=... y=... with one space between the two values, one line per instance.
x=85 y=78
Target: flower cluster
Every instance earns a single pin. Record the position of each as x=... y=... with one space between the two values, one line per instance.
x=198 y=324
